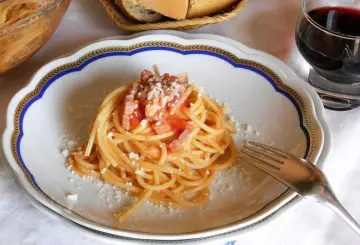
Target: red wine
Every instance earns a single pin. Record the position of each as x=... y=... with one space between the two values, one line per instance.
x=332 y=45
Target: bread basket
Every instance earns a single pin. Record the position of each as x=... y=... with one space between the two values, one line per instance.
x=187 y=24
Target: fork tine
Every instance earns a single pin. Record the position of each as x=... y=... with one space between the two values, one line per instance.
x=268 y=169
x=265 y=154
x=264 y=166
x=260 y=159
x=269 y=149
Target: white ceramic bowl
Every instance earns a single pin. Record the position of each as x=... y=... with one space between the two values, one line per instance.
x=62 y=98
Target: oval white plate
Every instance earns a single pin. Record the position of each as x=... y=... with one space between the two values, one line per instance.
x=62 y=98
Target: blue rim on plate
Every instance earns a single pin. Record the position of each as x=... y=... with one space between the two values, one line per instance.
x=26 y=102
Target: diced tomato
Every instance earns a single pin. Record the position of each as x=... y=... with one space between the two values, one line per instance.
x=177 y=123
x=161 y=127
x=159 y=102
x=167 y=77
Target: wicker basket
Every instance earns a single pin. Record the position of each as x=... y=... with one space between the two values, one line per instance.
x=123 y=23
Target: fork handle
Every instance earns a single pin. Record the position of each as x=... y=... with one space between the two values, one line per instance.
x=334 y=204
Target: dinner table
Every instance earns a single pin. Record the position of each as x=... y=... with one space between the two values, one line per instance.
x=266 y=25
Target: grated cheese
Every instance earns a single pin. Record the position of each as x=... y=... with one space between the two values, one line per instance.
x=72 y=197
x=134 y=156
x=65 y=153
x=110 y=135
x=143 y=122
x=140 y=172
x=155 y=92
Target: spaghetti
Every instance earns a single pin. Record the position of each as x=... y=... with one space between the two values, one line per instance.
x=159 y=138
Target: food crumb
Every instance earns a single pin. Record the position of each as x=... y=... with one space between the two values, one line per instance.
x=247 y=127
x=65 y=153
x=72 y=197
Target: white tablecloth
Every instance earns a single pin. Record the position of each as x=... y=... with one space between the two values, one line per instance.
x=268 y=25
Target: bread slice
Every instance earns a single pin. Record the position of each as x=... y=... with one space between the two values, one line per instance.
x=176 y=9
x=200 y=8
x=137 y=12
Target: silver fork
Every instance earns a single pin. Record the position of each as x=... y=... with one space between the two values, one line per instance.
x=298 y=174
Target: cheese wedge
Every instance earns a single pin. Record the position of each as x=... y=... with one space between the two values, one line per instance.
x=200 y=8
x=175 y=9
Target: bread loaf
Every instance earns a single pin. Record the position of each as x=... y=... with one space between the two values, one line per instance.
x=137 y=12
x=200 y=8
x=176 y=9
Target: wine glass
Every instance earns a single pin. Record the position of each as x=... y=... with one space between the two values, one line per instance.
x=328 y=37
